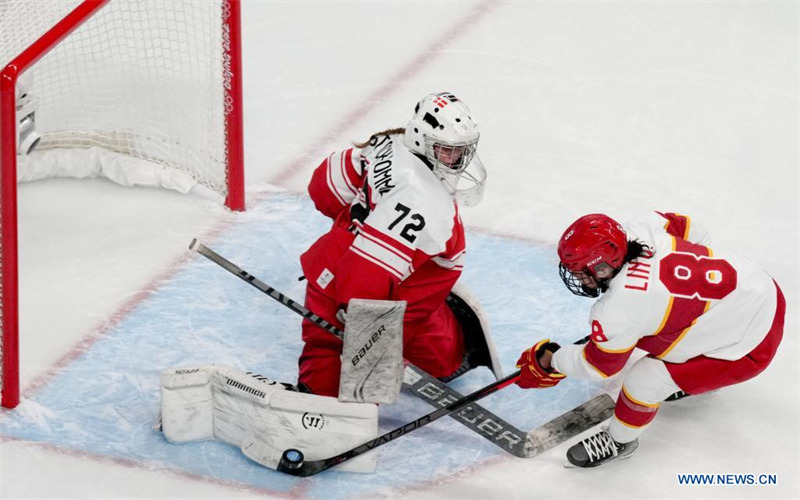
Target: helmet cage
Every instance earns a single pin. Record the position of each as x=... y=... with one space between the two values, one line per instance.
x=577 y=284
x=460 y=154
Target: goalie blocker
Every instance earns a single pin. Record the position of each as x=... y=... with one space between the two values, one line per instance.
x=262 y=417
x=372 y=355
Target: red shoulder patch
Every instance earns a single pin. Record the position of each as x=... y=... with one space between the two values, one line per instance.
x=677 y=224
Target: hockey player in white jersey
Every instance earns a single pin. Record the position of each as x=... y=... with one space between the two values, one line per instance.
x=705 y=319
x=396 y=235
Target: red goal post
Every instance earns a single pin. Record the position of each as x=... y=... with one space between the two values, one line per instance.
x=144 y=92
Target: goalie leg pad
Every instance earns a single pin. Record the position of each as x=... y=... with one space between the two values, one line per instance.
x=261 y=417
x=372 y=356
x=211 y=401
x=240 y=401
x=187 y=404
x=319 y=426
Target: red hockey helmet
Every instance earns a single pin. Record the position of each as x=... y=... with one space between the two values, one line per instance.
x=587 y=243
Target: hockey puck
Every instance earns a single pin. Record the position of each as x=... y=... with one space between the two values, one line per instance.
x=292 y=459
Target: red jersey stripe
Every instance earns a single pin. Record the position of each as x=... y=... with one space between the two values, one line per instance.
x=677 y=225
x=331 y=182
x=346 y=168
x=382 y=244
x=394 y=272
x=398 y=246
x=633 y=413
x=354 y=168
x=605 y=362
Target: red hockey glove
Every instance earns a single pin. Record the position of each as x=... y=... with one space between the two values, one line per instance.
x=533 y=374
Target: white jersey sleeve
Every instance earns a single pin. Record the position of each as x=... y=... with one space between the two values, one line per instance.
x=614 y=334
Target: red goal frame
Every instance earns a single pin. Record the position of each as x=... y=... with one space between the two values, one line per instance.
x=9 y=277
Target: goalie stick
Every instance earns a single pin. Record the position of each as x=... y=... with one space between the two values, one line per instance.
x=438 y=394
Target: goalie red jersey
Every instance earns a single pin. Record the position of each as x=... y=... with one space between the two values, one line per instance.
x=397 y=235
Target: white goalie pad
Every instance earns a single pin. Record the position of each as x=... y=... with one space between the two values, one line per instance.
x=372 y=357
x=319 y=426
x=263 y=418
x=187 y=404
x=477 y=331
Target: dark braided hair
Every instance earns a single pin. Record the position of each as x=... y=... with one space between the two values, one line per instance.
x=390 y=131
x=637 y=249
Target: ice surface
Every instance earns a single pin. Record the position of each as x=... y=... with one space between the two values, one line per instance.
x=104 y=401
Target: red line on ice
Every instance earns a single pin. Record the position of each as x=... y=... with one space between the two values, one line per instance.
x=424 y=58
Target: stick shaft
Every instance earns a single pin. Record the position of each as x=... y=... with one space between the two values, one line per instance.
x=257 y=283
x=314 y=466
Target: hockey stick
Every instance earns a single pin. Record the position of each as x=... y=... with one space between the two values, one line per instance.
x=293 y=462
x=438 y=394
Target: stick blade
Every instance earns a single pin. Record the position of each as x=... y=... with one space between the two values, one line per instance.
x=569 y=425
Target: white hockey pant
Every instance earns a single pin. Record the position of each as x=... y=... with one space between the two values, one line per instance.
x=646 y=385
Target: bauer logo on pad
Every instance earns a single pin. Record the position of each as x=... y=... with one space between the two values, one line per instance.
x=373 y=344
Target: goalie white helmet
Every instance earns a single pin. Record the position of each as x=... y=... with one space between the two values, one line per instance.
x=443 y=130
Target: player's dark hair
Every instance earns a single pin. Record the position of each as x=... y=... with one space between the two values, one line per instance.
x=636 y=249
x=389 y=131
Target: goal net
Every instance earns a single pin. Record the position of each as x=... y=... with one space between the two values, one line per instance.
x=143 y=92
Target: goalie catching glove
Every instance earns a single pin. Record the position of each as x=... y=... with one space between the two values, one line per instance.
x=533 y=374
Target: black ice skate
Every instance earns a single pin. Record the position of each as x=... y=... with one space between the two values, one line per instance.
x=678 y=395
x=599 y=449
x=681 y=395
